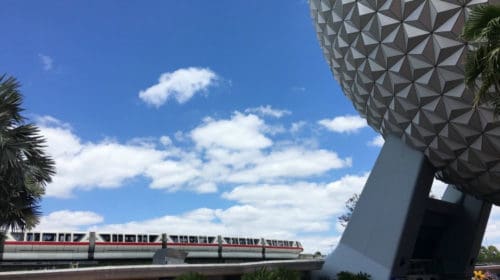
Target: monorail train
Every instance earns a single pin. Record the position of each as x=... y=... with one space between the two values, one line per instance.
x=36 y=246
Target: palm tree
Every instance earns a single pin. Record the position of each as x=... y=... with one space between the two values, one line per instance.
x=482 y=67
x=24 y=167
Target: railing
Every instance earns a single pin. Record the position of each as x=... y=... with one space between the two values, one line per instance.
x=146 y=272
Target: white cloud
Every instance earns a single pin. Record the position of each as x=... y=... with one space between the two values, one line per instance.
x=268 y=111
x=223 y=152
x=240 y=132
x=377 y=141
x=301 y=211
x=165 y=140
x=172 y=175
x=199 y=221
x=344 y=124
x=66 y=220
x=47 y=62
x=104 y=164
x=181 y=84
x=293 y=162
x=297 y=126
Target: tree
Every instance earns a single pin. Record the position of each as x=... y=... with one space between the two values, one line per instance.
x=350 y=204
x=24 y=168
x=482 y=67
x=488 y=254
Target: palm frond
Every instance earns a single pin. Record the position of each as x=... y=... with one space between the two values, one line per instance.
x=478 y=19
x=25 y=169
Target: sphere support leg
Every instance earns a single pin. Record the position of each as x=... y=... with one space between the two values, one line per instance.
x=396 y=230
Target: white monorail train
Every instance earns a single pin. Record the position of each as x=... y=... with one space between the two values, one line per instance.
x=35 y=246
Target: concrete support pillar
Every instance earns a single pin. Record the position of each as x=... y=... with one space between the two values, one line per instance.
x=396 y=222
x=381 y=234
x=456 y=253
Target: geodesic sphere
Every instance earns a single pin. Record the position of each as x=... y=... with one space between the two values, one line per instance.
x=401 y=64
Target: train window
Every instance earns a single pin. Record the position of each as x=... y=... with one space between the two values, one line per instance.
x=269 y=242
x=115 y=238
x=256 y=241
x=193 y=239
x=49 y=237
x=18 y=236
x=243 y=241
x=249 y=241
x=33 y=237
x=152 y=238
x=105 y=237
x=275 y=243
x=174 y=238
x=120 y=238
x=129 y=238
x=280 y=243
x=183 y=238
x=144 y=238
x=203 y=239
x=78 y=237
x=228 y=240
x=139 y=238
x=60 y=237
x=67 y=237
x=234 y=240
x=211 y=240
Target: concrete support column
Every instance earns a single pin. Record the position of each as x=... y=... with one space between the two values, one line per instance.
x=381 y=234
x=456 y=253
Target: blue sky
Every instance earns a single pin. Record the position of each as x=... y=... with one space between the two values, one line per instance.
x=217 y=117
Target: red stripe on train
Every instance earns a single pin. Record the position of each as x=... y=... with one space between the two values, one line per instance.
x=193 y=244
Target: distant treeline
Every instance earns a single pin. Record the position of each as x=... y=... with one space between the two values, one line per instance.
x=488 y=254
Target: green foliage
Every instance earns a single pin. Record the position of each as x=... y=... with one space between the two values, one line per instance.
x=488 y=254
x=276 y=274
x=345 y=275
x=191 y=276
x=482 y=67
x=24 y=167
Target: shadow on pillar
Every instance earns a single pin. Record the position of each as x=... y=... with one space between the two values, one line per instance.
x=396 y=230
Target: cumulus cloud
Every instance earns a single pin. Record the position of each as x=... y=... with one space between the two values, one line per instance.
x=300 y=211
x=47 y=61
x=268 y=111
x=66 y=220
x=228 y=151
x=377 y=141
x=181 y=84
x=239 y=132
x=293 y=162
x=104 y=164
x=297 y=126
x=344 y=124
